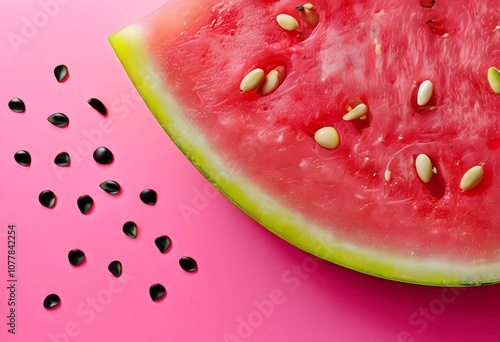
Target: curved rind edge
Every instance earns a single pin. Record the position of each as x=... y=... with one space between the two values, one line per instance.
x=132 y=51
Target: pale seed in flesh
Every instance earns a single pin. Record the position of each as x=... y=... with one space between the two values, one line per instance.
x=356 y=113
x=472 y=178
x=424 y=92
x=387 y=175
x=327 y=137
x=494 y=79
x=287 y=22
x=251 y=80
x=308 y=14
x=270 y=83
x=423 y=165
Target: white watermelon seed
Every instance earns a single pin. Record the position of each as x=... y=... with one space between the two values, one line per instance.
x=287 y=22
x=308 y=14
x=472 y=178
x=270 y=83
x=251 y=80
x=327 y=137
x=423 y=165
x=356 y=113
x=424 y=92
x=446 y=35
x=387 y=175
x=497 y=28
x=494 y=79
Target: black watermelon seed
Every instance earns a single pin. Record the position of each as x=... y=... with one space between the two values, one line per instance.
x=23 y=158
x=76 y=257
x=163 y=243
x=51 y=301
x=17 y=105
x=47 y=198
x=62 y=159
x=130 y=229
x=103 y=156
x=157 y=292
x=59 y=120
x=115 y=267
x=111 y=187
x=85 y=203
x=148 y=196
x=188 y=264
x=98 y=105
x=61 y=73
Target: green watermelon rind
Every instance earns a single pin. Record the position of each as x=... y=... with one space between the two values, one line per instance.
x=131 y=49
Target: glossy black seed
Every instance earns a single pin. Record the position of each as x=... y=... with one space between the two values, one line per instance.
x=76 y=257
x=188 y=264
x=47 y=198
x=148 y=196
x=115 y=267
x=61 y=73
x=103 y=156
x=163 y=243
x=98 y=105
x=111 y=187
x=157 y=292
x=51 y=301
x=130 y=229
x=62 y=159
x=17 y=105
x=23 y=158
x=85 y=203
x=59 y=120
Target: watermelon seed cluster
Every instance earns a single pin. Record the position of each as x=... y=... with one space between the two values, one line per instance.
x=85 y=203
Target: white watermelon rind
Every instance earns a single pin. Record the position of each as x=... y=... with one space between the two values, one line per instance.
x=130 y=47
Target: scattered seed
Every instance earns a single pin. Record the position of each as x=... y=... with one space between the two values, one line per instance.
x=387 y=175
x=85 y=203
x=58 y=119
x=98 y=105
x=51 y=301
x=62 y=159
x=356 y=113
x=130 y=229
x=17 y=105
x=23 y=158
x=252 y=80
x=287 y=22
x=308 y=14
x=163 y=243
x=148 y=196
x=76 y=257
x=424 y=92
x=472 y=178
x=327 y=137
x=364 y=117
x=446 y=35
x=115 y=267
x=61 y=73
x=270 y=83
x=494 y=79
x=378 y=49
x=188 y=264
x=111 y=187
x=103 y=156
x=423 y=165
x=157 y=292
x=47 y=198
x=497 y=28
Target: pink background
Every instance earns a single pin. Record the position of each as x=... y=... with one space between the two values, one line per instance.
x=250 y=286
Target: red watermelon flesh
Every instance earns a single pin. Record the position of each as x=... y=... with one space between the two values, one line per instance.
x=363 y=204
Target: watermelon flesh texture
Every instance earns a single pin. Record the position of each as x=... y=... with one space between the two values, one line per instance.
x=188 y=58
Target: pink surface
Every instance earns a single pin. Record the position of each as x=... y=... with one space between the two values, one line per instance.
x=250 y=286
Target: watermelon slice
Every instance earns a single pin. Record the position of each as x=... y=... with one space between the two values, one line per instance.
x=364 y=132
